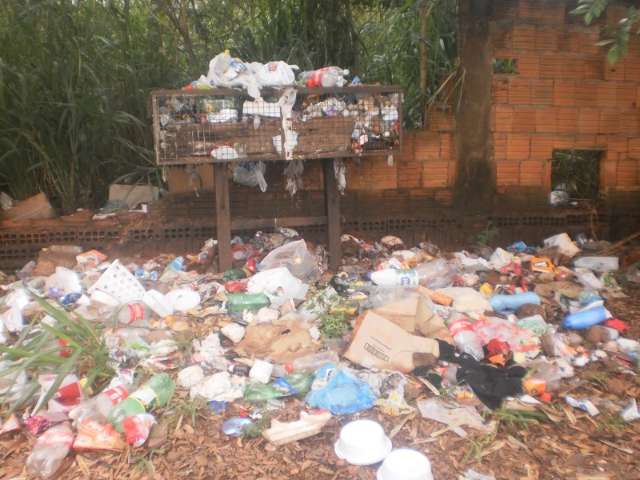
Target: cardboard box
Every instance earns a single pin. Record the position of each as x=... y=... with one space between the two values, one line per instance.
x=33 y=208
x=380 y=343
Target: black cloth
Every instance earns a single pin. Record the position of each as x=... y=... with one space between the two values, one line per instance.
x=491 y=384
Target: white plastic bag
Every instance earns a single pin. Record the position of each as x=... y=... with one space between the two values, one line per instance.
x=250 y=174
x=296 y=257
x=226 y=71
x=274 y=74
x=278 y=284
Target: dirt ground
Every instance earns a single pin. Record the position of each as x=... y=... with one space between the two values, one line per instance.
x=565 y=443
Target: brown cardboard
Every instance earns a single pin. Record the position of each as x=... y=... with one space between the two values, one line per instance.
x=33 y=208
x=380 y=343
x=414 y=314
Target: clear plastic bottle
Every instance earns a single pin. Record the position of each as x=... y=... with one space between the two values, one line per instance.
x=99 y=407
x=466 y=339
x=156 y=392
x=134 y=313
x=434 y=274
x=50 y=450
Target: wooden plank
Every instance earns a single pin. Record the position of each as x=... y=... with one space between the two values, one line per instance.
x=223 y=216
x=255 y=223
x=332 y=203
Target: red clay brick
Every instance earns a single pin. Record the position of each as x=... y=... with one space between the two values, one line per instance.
x=500 y=146
x=567 y=142
x=614 y=72
x=564 y=93
x=629 y=124
x=518 y=147
x=627 y=173
x=594 y=69
x=507 y=173
x=567 y=120
x=435 y=174
x=531 y=173
x=523 y=37
x=634 y=148
x=609 y=121
x=617 y=144
x=500 y=90
x=632 y=69
x=608 y=171
x=524 y=120
x=528 y=65
x=588 y=120
x=586 y=94
x=546 y=120
x=553 y=66
x=519 y=91
x=626 y=95
x=606 y=94
x=541 y=147
x=542 y=92
x=502 y=118
x=427 y=146
x=446 y=141
x=546 y=39
x=586 y=142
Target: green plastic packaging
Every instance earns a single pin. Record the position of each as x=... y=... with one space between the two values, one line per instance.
x=238 y=302
x=294 y=384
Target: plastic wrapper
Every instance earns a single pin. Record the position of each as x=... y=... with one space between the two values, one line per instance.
x=278 y=284
x=250 y=174
x=294 y=384
x=339 y=392
x=137 y=428
x=296 y=257
x=93 y=435
x=293 y=175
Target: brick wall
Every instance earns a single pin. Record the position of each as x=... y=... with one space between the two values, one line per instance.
x=564 y=96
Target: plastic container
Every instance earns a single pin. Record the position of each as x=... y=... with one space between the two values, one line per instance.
x=362 y=442
x=99 y=407
x=500 y=303
x=466 y=339
x=134 y=313
x=50 y=450
x=238 y=302
x=586 y=318
x=156 y=392
x=405 y=464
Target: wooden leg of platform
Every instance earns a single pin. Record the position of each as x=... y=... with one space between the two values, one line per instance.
x=332 y=203
x=223 y=216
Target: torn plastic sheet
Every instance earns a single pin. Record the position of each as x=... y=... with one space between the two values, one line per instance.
x=293 y=174
x=250 y=174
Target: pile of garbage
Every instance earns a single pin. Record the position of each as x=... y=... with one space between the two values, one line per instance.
x=94 y=350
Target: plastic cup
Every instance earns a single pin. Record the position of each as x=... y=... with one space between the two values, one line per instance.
x=405 y=464
x=362 y=442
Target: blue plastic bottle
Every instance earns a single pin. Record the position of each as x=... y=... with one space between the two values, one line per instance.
x=500 y=303
x=585 y=319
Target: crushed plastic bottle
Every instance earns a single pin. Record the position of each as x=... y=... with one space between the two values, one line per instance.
x=156 y=392
x=435 y=274
x=466 y=339
x=324 y=77
x=50 y=450
x=99 y=407
x=137 y=314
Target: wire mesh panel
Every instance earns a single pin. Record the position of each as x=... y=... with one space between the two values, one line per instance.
x=296 y=123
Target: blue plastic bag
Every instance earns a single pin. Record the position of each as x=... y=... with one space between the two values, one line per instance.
x=339 y=392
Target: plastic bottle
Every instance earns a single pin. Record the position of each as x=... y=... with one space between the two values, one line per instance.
x=50 y=450
x=500 y=303
x=466 y=339
x=391 y=277
x=99 y=407
x=156 y=392
x=324 y=77
x=238 y=302
x=137 y=313
x=586 y=318
x=434 y=274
